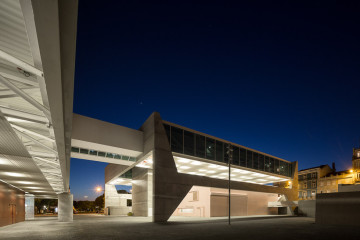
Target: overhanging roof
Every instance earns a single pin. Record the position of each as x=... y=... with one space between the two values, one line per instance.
x=37 y=58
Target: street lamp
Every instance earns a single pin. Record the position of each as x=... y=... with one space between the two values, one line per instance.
x=99 y=189
x=230 y=154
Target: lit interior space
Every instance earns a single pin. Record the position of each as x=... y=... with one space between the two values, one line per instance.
x=214 y=202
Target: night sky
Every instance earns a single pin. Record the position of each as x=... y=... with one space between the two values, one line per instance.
x=282 y=78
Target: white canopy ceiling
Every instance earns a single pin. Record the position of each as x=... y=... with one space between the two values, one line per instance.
x=34 y=127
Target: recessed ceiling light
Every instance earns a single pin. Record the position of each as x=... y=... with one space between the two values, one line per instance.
x=4 y=161
x=222 y=177
x=14 y=174
x=26 y=182
x=259 y=175
x=183 y=160
x=196 y=163
x=33 y=187
x=184 y=167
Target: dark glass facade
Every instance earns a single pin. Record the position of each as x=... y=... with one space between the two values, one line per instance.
x=189 y=143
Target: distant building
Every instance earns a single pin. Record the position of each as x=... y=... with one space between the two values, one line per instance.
x=356 y=164
x=323 y=179
x=354 y=175
x=330 y=183
x=309 y=181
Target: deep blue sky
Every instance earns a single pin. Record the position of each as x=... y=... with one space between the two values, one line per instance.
x=282 y=78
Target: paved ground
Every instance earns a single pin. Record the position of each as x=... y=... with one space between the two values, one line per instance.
x=134 y=228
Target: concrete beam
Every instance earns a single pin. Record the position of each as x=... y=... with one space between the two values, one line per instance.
x=96 y=134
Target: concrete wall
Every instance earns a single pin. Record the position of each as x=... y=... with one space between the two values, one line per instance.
x=200 y=207
x=338 y=208
x=119 y=211
x=245 y=203
x=213 y=202
x=307 y=208
x=114 y=199
x=220 y=205
x=12 y=205
x=349 y=188
x=112 y=171
x=142 y=192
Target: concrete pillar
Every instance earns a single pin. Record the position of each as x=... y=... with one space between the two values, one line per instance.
x=112 y=197
x=29 y=206
x=65 y=207
x=142 y=192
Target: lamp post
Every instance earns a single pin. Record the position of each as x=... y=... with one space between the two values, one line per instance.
x=229 y=153
x=99 y=189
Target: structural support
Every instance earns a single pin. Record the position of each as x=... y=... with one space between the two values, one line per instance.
x=17 y=114
x=25 y=96
x=35 y=141
x=21 y=64
x=29 y=206
x=21 y=129
x=11 y=76
x=50 y=163
x=65 y=207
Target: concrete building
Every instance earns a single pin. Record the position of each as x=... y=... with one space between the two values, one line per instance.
x=165 y=161
x=161 y=161
x=117 y=203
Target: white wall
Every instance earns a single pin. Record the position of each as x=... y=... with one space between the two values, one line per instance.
x=189 y=207
x=213 y=202
x=112 y=198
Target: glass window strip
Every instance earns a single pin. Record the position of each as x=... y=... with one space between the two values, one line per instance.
x=192 y=144
x=102 y=154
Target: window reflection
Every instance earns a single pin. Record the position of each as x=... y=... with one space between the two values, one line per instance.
x=210 y=148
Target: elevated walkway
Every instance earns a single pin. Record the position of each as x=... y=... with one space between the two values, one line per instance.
x=101 y=141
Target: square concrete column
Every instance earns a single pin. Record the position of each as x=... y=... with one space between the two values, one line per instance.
x=29 y=206
x=65 y=207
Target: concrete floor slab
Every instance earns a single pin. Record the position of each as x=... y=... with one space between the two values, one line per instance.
x=134 y=228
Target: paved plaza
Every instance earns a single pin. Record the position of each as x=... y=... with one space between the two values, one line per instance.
x=108 y=227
